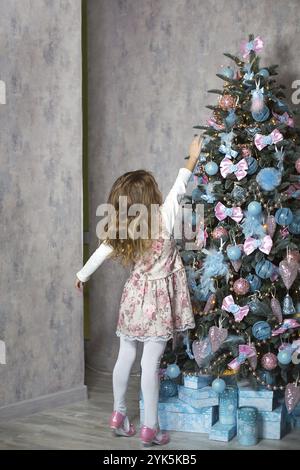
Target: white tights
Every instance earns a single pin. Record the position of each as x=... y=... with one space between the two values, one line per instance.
x=153 y=350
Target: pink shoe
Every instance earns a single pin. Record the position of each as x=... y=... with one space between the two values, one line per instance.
x=120 y=424
x=153 y=436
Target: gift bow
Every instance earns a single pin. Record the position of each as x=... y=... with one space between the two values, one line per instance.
x=235 y=213
x=238 y=312
x=284 y=118
x=286 y=325
x=213 y=123
x=245 y=352
x=261 y=141
x=228 y=151
x=264 y=245
x=256 y=45
x=239 y=169
x=290 y=347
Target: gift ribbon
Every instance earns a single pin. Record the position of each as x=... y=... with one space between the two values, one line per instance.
x=247 y=46
x=245 y=352
x=284 y=118
x=286 y=325
x=264 y=245
x=235 y=213
x=228 y=151
x=261 y=141
x=238 y=312
x=239 y=169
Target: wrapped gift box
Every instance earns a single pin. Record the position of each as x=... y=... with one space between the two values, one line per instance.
x=272 y=424
x=201 y=398
x=197 y=381
x=228 y=401
x=174 y=415
x=262 y=399
x=222 y=432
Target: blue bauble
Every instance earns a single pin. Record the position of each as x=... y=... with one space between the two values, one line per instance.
x=284 y=216
x=264 y=269
x=218 y=385
x=261 y=330
x=211 y=168
x=173 y=371
x=254 y=282
x=252 y=165
x=254 y=208
x=196 y=194
x=261 y=116
x=167 y=389
x=268 y=179
x=227 y=72
x=294 y=227
x=264 y=73
x=284 y=357
x=230 y=118
x=234 y=253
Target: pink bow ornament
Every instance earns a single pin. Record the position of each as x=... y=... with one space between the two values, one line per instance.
x=288 y=324
x=261 y=141
x=245 y=352
x=238 y=312
x=235 y=213
x=213 y=123
x=264 y=245
x=284 y=118
x=247 y=46
x=239 y=169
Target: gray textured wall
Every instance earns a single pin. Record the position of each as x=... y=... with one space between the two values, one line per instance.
x=40 y=198
x=150 y=64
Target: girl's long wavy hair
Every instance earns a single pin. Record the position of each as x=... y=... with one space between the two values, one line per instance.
x=140 y=187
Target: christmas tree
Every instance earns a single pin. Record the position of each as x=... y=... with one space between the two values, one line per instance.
x=244 y=275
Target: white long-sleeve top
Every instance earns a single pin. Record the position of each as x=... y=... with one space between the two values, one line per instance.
x=169 y=210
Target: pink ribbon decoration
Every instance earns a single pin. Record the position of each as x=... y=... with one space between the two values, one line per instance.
x=286 y=325
x=290 y=347
x=235 y=213
x=238 y=312
x=212 y=123
x=264 y=245
x=284 y=232
x=261 y=141
x=245 y=352
x=256 y=45
x=239 y=169
x=284 y=118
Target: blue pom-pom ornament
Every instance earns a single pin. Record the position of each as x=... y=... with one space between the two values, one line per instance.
x=234 y=253
x=268 y=179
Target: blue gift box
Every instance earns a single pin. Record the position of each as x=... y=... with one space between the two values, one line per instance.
x=228 y=401
x=197 y=381
x=222 y=432
x=261 y=398
x=272 y=424
x=174 y=415
x=200 y=398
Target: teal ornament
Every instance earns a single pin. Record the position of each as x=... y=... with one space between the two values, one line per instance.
x=284 y=357
x=288 y=307
x=227 y=72
x=268 y=179
x=211 y=168
x=234 y=253
x=294 y=226
x=230 y=118
x=252 y=165
x=254 y=208
x=284 y=216
x=264 y=269
x=218 y=385
x=167 y=389
x=264 y=73
x=196 y=195
x=254 y=282
x=173 y=371
x=261 y=330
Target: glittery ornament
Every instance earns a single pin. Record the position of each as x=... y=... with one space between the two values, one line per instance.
x=288 y=272
x=236 y=265
x=210 y=303
x=276 y=309
x=201 y=350
x=288 y=307
x=271 y=225
x=238 y=193
x=241 y=286
x=269 y=361
x=297 y=165
x=220 y=233
x=217 y=336
x=292 y=396
x=226 y=102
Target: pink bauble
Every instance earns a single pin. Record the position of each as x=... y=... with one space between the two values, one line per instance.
x=297 y=165
x=269 y=361
x=227 y=101
x=220 y=233
x=241 y=286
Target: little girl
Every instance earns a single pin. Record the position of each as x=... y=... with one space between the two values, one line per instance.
x=155 y=302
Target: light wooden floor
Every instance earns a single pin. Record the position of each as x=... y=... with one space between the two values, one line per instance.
x=84 y=426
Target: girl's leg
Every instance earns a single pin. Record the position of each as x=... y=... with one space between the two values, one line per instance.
x=153 y=350
x=121 y=373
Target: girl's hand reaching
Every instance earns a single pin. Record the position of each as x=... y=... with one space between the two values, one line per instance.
x=194 y=152
x=79 y=285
